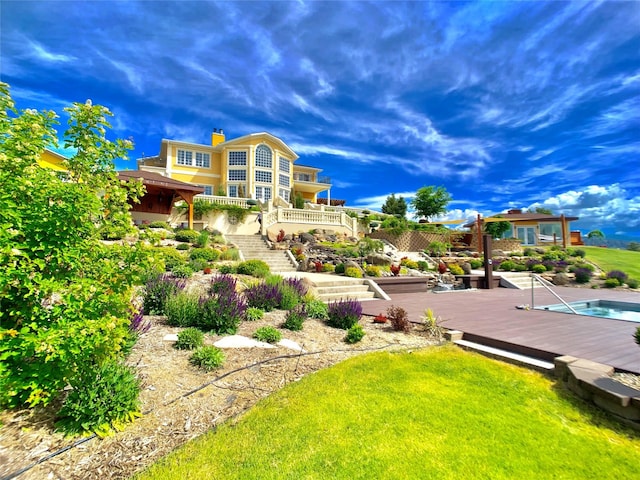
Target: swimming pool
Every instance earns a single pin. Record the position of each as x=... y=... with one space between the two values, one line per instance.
x=600 y=308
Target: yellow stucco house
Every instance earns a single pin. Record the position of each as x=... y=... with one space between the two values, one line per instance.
x=258 y=166
x=52 y=160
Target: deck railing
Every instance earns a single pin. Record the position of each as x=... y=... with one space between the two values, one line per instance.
x=310 y=217
x=548 y=286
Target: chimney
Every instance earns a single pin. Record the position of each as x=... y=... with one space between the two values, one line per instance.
x=217 y=136
x=514 y=211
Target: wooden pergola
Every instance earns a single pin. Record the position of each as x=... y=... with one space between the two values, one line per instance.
x=161 y=192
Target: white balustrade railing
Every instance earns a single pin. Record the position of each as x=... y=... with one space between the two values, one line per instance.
x=310 y=217
x=240 y=202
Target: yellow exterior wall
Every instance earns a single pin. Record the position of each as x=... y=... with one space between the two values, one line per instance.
x=52 y=160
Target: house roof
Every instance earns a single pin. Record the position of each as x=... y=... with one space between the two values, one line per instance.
x=524 y=217
x=261 y=135
x=157 y=180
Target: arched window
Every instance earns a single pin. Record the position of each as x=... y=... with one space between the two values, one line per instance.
x=263 y=156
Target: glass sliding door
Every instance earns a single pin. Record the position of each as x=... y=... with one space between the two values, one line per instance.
x=527 y=235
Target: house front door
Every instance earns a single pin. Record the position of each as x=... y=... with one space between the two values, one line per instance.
x=527 y=235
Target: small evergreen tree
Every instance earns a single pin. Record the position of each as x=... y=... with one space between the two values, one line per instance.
x=395 y=206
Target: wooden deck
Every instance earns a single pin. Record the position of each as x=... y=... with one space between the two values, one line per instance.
x=490 y=317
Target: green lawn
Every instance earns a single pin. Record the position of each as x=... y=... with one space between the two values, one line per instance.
x=439 y=413
x=609 y=259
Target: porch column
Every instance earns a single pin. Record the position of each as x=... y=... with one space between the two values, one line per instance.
x=563 y=223
x=479 y=225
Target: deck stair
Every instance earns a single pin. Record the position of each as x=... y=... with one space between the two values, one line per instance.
x=519 y=280
x=341 y=288
x=507 y=356
x=255 y=247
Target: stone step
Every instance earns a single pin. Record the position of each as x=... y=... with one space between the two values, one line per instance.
x=254 y=247
x=343 y=288
x=521 y=281
x=334 y=297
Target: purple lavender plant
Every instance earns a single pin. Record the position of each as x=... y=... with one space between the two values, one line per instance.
x=263 y=296
x=223 y=284
x=344 y=313
x=297 y=284
x=620 y=276
x=222 y=313
x=138 y=324
x=158 y=289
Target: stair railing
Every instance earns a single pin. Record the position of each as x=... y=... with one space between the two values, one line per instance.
x=548 y=286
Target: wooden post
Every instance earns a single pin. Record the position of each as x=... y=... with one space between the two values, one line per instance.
x=563 y=222
x=488 y=262
x=479 y=224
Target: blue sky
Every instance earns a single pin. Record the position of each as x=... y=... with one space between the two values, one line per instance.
x=505 y=104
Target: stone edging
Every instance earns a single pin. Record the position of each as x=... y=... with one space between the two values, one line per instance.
x=592 y=381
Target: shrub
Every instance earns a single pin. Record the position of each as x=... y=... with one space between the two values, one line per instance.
x=317 y=309
x=583 y=275
x=373 y=271
x=344 y=313
x=207 y=357
x=183 y=246
x=354 y=334
x=189 y=339
x=227 y=269
x=407 y=262
x=476 y=263
x=252 y=314
x=186 y=235
x=582 y=265
x=507 y=265
x=423 y=266
x=611 y=283
x=295 y=318
x=264 y=296
x=399 y=319
x=328 y=267
x=529 y=252
x=198 y=264
x=618 y=276
x=578 y=252
x=289 y=296
x=207 y=254
x=353 y=272
x=182 y=271
x=102 y=398
x=432 y=324
x=172 y=258
x=159 y=224
x=222 y=312
x=268 y=334
x=230 y=254
x=340 y=268
x=632 y=283
x=223 y=284
x=538 y=268
x=157 y=290
x=456 y=269
x=255 y=268
x=182 y=309
x=203 y=239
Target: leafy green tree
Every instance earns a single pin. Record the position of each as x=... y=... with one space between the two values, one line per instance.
x=430 y=201
x=542 y=210
x=634 y=246
x=497 y=229
x=595 y=234
x=395 y=206
x=65 y=297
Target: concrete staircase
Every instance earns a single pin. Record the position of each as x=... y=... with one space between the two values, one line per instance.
x=340 y=288
x=519 y=280
x=255 y=247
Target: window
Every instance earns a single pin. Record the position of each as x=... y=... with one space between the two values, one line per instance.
x=208 y=189
x=263 y=176
x=185 y=157
x=263 y=156
x=233 y=190
x=548 y=230
x=263 y=193
x=285 y=165
x=303 y=177
x=284 y=180
x=237 y=158
x=203 y=160
x=284 y=193
x=237 y=175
